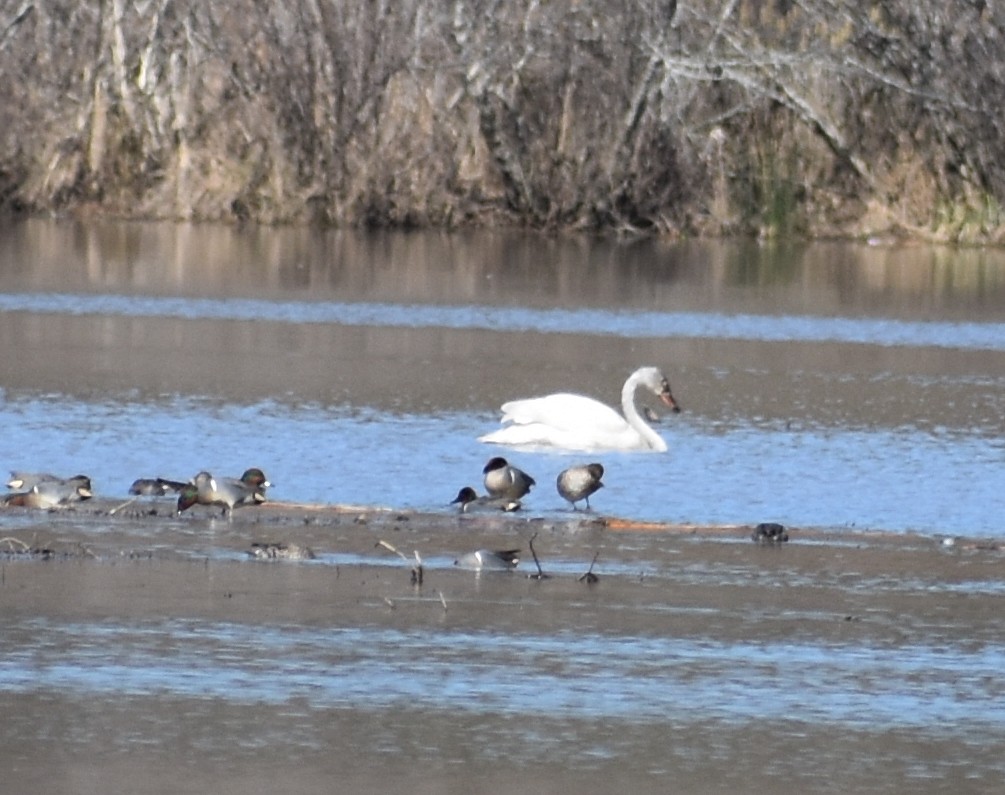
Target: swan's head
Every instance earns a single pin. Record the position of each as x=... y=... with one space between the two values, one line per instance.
x=657 y=383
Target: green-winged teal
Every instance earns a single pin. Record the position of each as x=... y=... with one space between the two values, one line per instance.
x=155 y=487
x=25 y=481
x=188 y=496
x=254 y=478
x=229 y=493
x=50 y=494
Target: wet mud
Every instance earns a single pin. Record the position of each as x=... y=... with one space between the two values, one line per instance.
x=694 y=657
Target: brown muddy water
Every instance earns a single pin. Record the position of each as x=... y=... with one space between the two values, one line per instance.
x=853 y=392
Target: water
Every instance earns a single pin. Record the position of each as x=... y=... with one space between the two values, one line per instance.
x=713 y=666
x=913 y=687
x=829 y=386
x=834 y=386
x=715 y=473
x=957 y=335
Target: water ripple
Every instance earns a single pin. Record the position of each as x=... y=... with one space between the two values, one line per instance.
x=633 y=324
x=626 y=677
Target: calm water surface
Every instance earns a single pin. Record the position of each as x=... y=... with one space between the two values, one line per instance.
x=833 y=386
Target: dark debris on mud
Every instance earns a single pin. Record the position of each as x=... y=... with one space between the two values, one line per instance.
x=12 y=548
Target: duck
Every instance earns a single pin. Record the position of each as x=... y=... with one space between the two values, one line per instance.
x=579 y=482
x=25 y=481
x=256 y=479
x=770 y=533
x=504 y=481
x=155 y=487
x=575 y=422
x=188 y=496
x=228 y=492
x=50 y=494
x=489 y=559
x=468 y=501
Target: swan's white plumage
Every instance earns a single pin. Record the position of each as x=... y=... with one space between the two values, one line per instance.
x=576 y=422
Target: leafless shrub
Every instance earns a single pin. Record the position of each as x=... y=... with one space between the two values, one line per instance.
x=763 y=116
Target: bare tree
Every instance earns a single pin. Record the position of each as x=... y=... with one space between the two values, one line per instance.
x=712 y=116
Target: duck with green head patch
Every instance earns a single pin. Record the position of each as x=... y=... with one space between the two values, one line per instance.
x=229 y=493
x=188 y=495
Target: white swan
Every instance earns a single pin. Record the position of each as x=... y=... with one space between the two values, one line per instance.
x=576 y=422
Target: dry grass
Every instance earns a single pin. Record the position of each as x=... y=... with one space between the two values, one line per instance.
x=771 y=118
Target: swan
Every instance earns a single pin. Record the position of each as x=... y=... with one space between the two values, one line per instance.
x=576 y=422
x=579 y=482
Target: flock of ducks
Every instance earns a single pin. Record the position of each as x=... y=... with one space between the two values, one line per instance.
x=561 y=420
x=506 y=486
x=47 y=491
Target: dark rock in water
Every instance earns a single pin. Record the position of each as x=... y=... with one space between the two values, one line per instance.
x=770 y=533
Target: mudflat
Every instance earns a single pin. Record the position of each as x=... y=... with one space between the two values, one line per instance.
x=145 y=652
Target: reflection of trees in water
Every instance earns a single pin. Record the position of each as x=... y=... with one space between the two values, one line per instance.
x=503 y=268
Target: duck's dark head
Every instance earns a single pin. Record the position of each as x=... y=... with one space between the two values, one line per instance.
x=255 y=478
x=495 y=463
x=187 y=497
x=464 y=496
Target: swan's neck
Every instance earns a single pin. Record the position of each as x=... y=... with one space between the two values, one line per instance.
x=652 y=439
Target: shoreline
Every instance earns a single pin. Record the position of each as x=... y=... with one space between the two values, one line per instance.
x=285 y=515
x=158 y=639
